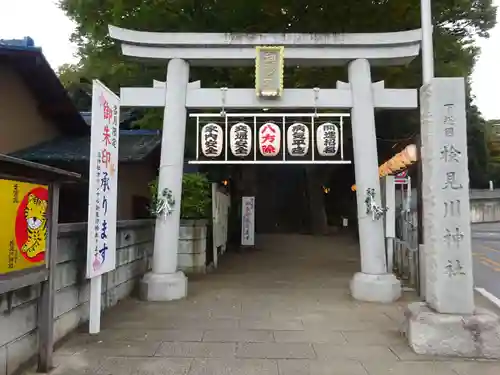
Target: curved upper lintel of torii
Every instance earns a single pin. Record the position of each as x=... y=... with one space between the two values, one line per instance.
x=236 y=49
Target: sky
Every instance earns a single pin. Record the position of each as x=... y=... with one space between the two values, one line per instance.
x=43 y=21
x=486 y=75
x=48 y=26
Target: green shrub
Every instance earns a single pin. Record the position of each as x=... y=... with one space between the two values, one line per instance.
x=196 y=196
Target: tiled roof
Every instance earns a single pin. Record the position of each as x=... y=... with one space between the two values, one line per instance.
x=135 y=145
x=30 y=64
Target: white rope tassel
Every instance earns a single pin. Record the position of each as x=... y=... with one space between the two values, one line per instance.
x=165 y=204
x=372 y=207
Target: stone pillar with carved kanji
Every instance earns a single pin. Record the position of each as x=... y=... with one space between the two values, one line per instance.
x=448 y=323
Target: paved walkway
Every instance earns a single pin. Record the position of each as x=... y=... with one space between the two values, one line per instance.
x=283 y=310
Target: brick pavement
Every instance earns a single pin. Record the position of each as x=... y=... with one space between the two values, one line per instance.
x=283 y=310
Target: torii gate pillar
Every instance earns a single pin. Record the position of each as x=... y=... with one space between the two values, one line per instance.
x=373 y=283
x=165 y=282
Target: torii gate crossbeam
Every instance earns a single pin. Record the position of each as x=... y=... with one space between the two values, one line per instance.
x=340 y=98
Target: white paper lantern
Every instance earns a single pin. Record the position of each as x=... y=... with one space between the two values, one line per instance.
x=211 y=140
x=269 y=139
x=297 y=139
x=327 y=139
x=240 y=138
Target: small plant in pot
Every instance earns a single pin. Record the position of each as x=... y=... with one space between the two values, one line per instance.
x=196 y=197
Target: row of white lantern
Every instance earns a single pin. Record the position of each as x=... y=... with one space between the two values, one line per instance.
x=269 y=139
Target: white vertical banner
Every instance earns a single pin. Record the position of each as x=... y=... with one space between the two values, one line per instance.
x=248 y=221
x=103 y=188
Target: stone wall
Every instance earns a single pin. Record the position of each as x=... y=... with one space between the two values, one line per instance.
x=485 y=211
x=484 y=204
x=192 y=254
x=18 y=333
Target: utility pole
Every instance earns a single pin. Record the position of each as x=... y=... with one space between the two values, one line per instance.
x=427 y=43
x=427 y=75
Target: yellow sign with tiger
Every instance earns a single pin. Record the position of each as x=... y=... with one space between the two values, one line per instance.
x=23 y=225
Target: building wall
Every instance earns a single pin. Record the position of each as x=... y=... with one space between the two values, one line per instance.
x=21 y=124
x=133 y=181
x=18 y=324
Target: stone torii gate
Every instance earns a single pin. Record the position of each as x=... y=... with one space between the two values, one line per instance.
x=359 y=51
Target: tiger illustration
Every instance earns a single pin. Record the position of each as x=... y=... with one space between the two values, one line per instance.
x=36 y=219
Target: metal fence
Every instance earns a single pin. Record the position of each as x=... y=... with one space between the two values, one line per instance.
x=406 y=256
x=405 y=248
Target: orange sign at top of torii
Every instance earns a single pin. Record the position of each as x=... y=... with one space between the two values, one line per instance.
x=397 y=163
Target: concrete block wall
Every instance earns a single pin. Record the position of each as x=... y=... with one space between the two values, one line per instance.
x=484 y=210
x=18 y=317
x=192 y=254
x=484 y=204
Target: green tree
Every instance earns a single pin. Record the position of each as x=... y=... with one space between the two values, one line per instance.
x=80 y=92
x=456 y=22
x=492 y=135
x=477 y=148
